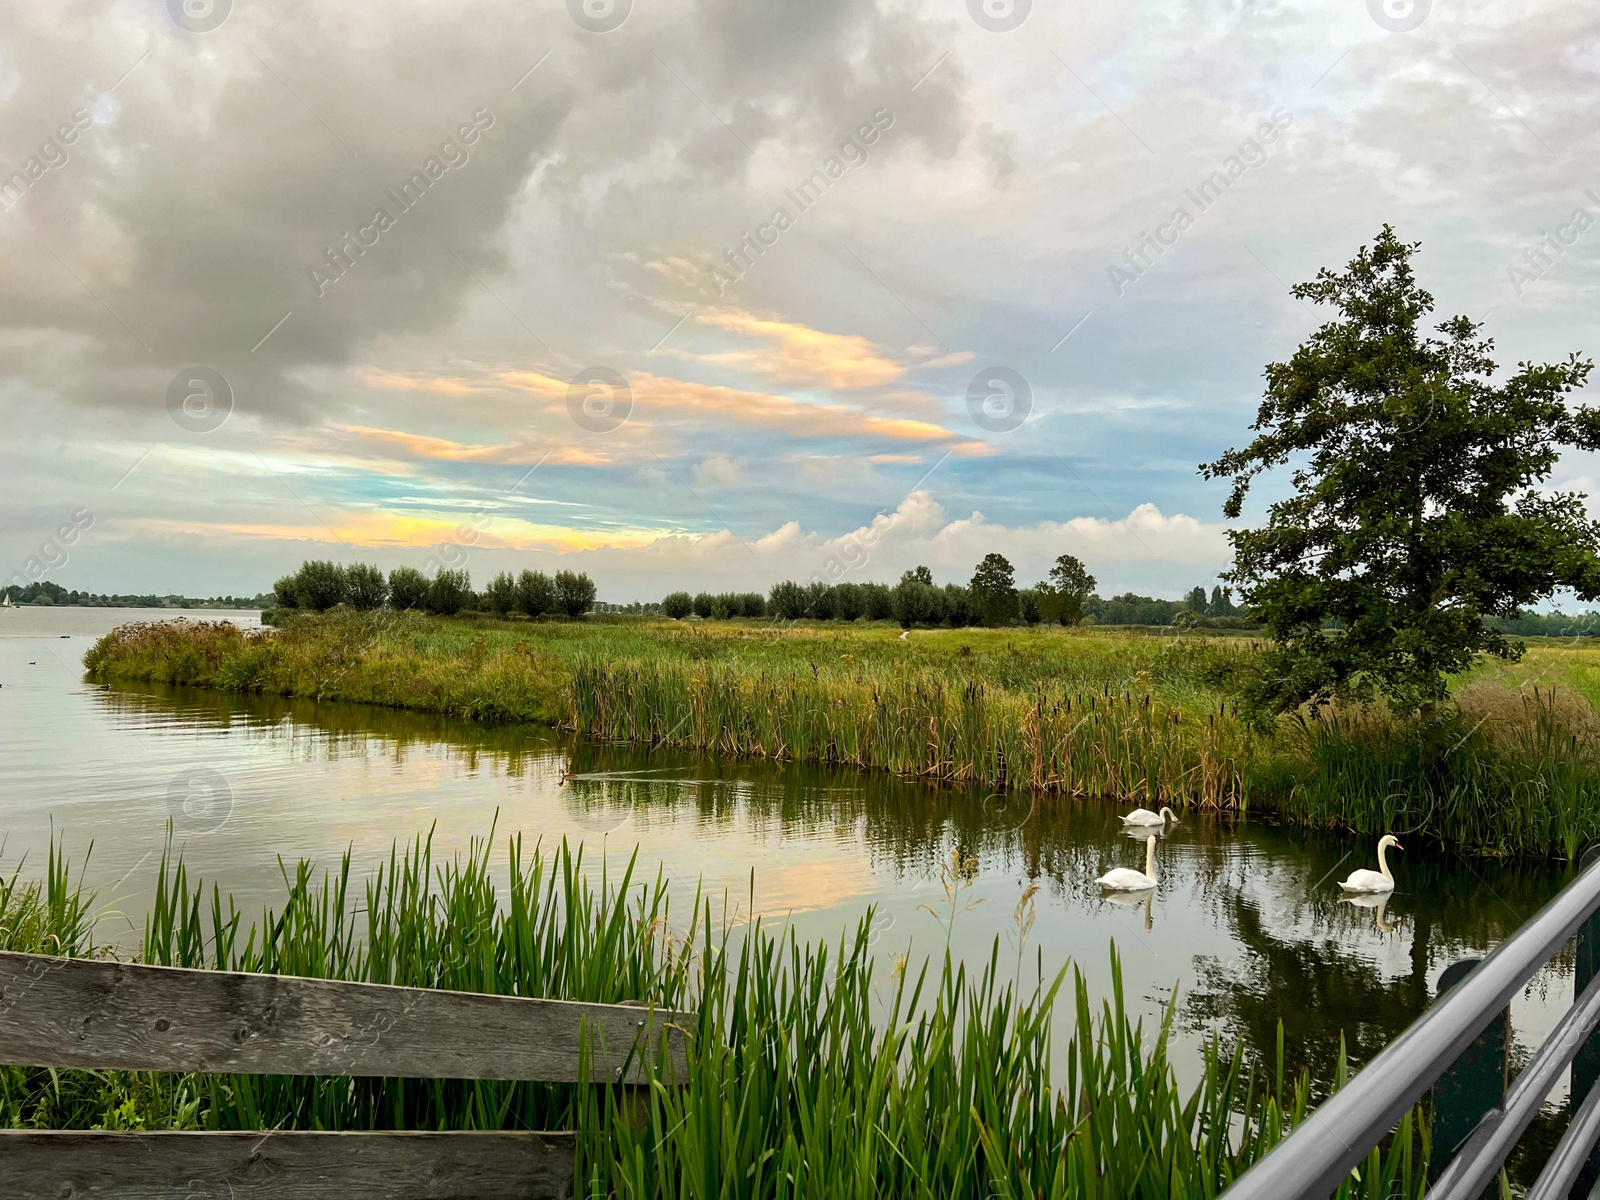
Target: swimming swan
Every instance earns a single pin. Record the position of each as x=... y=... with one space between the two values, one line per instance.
x=1126 y=879
x=1375 y=881
x=1143 y=816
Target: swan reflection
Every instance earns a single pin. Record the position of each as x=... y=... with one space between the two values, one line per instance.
x=1378 y=901
x=1132 y=900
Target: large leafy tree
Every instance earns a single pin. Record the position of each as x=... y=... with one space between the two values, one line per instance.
x=1416 y=509
x=993 y=591
x=1062 y=596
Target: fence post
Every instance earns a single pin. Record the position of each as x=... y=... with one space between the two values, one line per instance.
x=1586 y=1065
x=1473 y=1085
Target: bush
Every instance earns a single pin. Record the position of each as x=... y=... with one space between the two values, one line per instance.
x=366 y=588
x=702 y=604
x=408 y=588
x=677 y=605
x=574 y=593
x=449 y=592
x=752 y=604
x=285 y=594
x=319 y=585
x=500 y=597
x=536 y=595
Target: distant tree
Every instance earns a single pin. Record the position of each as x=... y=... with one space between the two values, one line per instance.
x=921 y=575
x=956 y=606
x=677 y=605
x=1221 y=602
x=284 y=592
x=1028 y=605
x=703 y=602
x=724 y=606
x=752 y=604
x=574 y=593
x=788 y=601
x=500 y=597
x=536 y=595
x=849 y=602
x=1063 y=595
x=877 y=602
x=408 y=588
x=366 y=587
x=1418 y=508
x=449 y=592
x=1069 y=575
x=1196 y=600
x=916 y=602
x=319 y=585
x=819 y=601
x=994 y=591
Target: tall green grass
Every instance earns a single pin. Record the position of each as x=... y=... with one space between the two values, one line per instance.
x=807 y=1074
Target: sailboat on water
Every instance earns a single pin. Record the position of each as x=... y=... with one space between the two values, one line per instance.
x=6 y=603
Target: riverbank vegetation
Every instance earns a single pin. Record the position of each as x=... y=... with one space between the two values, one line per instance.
x=809 y=1073
x=1510 y=765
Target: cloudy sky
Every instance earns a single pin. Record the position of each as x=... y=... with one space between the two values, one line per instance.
x=720 y=292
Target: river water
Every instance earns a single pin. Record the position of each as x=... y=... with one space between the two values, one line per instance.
x=1246 y=924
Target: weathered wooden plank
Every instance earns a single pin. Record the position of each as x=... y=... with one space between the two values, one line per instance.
x=63 y=1012
x=285 y=1166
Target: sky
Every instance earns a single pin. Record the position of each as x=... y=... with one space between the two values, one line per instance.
x=712 y=294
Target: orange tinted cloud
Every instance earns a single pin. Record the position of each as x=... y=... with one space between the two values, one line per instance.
x=403 y=530
x=523 y=450
x=656 y=395
x=800 y=354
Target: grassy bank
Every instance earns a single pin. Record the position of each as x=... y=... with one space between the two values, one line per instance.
x=795 y=1088
x=1512 y=766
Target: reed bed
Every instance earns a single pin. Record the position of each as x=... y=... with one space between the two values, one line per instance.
x=1513 y=767
x=801 y=1079
x=924 y=725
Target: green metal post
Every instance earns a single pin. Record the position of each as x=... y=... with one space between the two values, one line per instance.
x=1471 y=1087
x=1586 y=1066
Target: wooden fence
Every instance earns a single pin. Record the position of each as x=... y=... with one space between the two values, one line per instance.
x=63 y=1012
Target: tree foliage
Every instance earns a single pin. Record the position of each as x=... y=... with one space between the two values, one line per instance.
x=1416 y=511
x=536 y=595
x=993 y=591
x=365 y=587
x=575 y=593
x=408 y=588
x=449 y=592
x=320 y=585
x=501 y=594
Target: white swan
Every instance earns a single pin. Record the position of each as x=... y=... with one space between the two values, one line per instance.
x=1126 y=879
x=1143 y=816
x=1375 y=881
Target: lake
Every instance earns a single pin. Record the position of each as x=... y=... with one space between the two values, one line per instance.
x=1246 y=923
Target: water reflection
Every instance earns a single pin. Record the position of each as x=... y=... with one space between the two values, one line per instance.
x=1246 y=922
x=1246 y=919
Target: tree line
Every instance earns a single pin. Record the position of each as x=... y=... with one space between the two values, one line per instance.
x=46 y=593
x=991 y=597
x=320 y=585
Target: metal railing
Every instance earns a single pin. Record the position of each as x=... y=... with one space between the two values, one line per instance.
x=1463 y=1031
